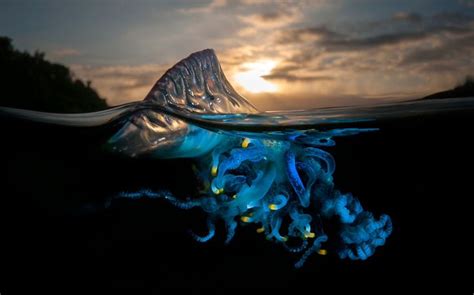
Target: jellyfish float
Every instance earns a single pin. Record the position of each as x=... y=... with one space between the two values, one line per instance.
x=268 y=170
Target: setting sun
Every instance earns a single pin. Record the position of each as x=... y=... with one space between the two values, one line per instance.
x=251 y=77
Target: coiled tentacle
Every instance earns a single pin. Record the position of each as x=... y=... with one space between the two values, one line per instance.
x=297 y=249
x=362 y=237
x=314 y=247
x=326 y=157
x=209 y=235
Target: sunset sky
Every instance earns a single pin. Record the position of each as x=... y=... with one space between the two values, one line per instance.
x=278 y=54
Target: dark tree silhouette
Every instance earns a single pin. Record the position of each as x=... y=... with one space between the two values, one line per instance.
x=29 y=81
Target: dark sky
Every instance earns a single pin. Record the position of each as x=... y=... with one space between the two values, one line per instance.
x=279 y=54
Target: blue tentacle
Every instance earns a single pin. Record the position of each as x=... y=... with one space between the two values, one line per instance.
x=208 y=236
x=147 y=193
x=315 y=247
x=295 y=179
x=325 y=156
x=362 y=237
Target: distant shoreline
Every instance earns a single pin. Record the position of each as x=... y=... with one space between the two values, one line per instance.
x=464 y=90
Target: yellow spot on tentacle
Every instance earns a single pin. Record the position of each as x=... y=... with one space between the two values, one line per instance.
x=234 y=197
x=310 y=235
x=245 y=143
x=273 y=207
x=322 y=252
x=245 y=218
x=260 y=229
x=284 y=239
x=214 y=170
x=217 y=191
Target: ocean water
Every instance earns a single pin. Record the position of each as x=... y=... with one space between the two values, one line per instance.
x=196 y=189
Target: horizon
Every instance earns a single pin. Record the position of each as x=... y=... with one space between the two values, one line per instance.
x=279 y=55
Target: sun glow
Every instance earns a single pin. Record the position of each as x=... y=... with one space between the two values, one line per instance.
x=251 y=77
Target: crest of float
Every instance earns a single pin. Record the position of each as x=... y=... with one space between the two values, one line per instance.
x=281 y=185
x=195 y=85
x=198 y=84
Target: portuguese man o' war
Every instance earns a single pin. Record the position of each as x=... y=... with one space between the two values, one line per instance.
x=280 y=181
x=269 y=170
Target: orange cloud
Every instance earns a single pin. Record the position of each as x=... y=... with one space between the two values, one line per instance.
x=204 y=9
x=64 y=52
x=273 y=19
x=121 y=84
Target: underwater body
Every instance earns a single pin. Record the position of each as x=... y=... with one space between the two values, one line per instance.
x=269 y=171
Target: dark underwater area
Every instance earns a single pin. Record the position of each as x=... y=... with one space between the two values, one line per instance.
x=58 y=235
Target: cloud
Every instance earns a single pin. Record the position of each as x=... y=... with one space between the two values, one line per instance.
x=65 y=52
x=284 y=4
x=468 y=3
x=261 y=17
x=121 y=84
x=273 y=18
x=214 y=4
x=256 y=2
x=295 y=78
x=324 y=37
x=452 y=18
x=306 y=34
x=354 y=44
x=247 y=31
x=410 y=54
x=335 y=41
x=443 y=26
x=441 y=52
x=410 y=17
